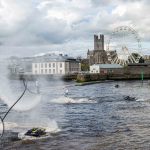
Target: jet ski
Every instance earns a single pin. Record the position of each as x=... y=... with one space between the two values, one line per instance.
x=34 y=134
x=129 y=98
x=116 y=86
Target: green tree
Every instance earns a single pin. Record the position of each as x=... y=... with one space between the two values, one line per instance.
x=84 y=67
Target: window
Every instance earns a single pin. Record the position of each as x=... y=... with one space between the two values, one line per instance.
x=53 y=64
x=50 y=71
x=60 y=65
x=110 y=71
x=53 y=70
x=49 y=65
x=41 y=65
x=105 y=71
x=60 y=71
x=35 y=71
x=35 y=65
x=45 y=70
x=45 y=65
x=41 y=71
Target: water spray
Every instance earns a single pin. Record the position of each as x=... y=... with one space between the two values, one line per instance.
x=3 y=118
x=37 y=88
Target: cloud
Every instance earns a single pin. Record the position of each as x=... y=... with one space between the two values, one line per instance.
x=54 y=24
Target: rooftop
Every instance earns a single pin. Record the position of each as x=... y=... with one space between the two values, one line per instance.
x=43 y=58
x=53 y=58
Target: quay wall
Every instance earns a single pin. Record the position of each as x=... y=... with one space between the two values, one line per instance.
x=127 y=73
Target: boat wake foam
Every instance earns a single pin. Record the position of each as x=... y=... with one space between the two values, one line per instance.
x=50 y=128
x=8 y=126
x=143 y=100
x=67 y=100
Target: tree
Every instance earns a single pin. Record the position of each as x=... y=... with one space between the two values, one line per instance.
x=84 y=67
x=141 y=60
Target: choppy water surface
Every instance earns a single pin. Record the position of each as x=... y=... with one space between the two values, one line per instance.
x=91 y=117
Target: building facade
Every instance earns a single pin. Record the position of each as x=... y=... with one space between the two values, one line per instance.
x=45 y=64
x=18 y=65
x=106 y=69
x=98 y=55
x=58 y=66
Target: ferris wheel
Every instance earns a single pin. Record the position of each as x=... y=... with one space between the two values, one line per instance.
x=124 y=46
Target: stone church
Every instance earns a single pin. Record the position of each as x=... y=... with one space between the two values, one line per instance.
x=98 y=55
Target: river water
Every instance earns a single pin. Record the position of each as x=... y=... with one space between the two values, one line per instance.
x=91 y=117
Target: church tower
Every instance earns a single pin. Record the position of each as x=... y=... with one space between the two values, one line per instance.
x=99 y=42
x=98 y=55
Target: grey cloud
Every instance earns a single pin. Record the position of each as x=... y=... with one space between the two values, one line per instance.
x=32 y=28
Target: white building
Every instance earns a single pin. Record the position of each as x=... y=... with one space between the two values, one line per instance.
x=17 y=65
x=104 y=68
x=60 y=65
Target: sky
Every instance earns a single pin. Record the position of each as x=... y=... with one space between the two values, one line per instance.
x=30 y=27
